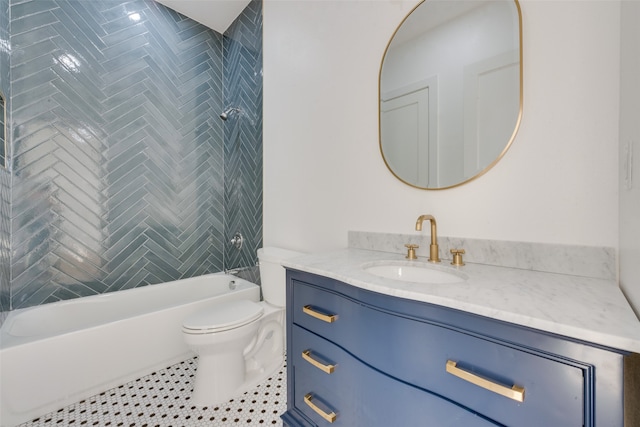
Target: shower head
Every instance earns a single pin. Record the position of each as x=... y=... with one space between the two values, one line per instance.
x=225 y=114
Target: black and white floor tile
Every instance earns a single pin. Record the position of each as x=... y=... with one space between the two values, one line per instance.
x=161 y=399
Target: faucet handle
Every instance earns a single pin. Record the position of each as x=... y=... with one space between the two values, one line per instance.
x=457 y=256
x=411 y=251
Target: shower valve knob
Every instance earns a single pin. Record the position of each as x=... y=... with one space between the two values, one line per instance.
x=237 y=240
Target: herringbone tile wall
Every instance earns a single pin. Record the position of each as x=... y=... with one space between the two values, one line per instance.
x=119 y=154
x=243 y=135
x=5 y=177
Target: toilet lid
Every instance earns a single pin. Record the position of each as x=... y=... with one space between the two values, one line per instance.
x=222 y=317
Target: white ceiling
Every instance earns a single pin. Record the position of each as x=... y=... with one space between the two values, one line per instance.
x=215 y=14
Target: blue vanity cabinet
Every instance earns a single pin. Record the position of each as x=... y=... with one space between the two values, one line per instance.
x=359 y=358
x=354 y=394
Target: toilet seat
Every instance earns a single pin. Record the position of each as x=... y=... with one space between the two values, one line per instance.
x=222 y=317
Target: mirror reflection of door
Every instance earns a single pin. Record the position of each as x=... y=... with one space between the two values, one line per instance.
x=491 y=89
x=409 y=132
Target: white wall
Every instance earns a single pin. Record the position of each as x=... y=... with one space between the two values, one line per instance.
x=323 y=173
x=630 y=135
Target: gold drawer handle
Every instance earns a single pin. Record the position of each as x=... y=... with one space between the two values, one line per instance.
x=330 y=417
x=516 y=392
x=329 y=318
x=306 y=355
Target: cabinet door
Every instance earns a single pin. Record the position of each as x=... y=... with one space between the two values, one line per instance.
x=358 y=395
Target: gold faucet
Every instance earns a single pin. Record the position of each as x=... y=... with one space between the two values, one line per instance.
x=433 y=248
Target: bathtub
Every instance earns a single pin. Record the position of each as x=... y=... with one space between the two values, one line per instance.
x=57 y=354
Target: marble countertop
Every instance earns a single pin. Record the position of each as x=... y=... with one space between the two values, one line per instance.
x=588 y=309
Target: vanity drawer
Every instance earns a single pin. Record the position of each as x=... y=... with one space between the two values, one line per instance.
x=507 y=384
x=326 y=313
x=418 y=352
x=360 y=396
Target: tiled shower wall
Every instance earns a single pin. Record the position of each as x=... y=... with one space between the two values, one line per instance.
x=121 y=165
x=5 y=177
x=243 y=136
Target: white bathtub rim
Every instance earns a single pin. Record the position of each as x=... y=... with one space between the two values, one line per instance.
x=167 y=348
x=8 y=340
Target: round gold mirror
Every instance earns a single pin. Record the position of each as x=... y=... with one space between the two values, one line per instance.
x=451 y=91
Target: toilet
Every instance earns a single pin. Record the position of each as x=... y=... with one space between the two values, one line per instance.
x=240 y=343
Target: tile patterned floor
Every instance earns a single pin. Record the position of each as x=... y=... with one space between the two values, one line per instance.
x=161 y=399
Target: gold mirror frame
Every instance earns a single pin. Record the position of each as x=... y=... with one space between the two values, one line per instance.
x=517 y=122
x=3 y=132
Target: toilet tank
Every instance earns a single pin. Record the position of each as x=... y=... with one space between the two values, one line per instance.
x=272 y=273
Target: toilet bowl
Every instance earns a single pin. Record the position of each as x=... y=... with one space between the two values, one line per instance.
x=240 y=343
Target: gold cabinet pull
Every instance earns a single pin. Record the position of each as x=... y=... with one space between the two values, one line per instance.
x=306 y=355
x=330 y=417
x=329 y=318
x=516 y=392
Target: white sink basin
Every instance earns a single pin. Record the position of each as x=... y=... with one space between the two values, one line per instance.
x=413 y=272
